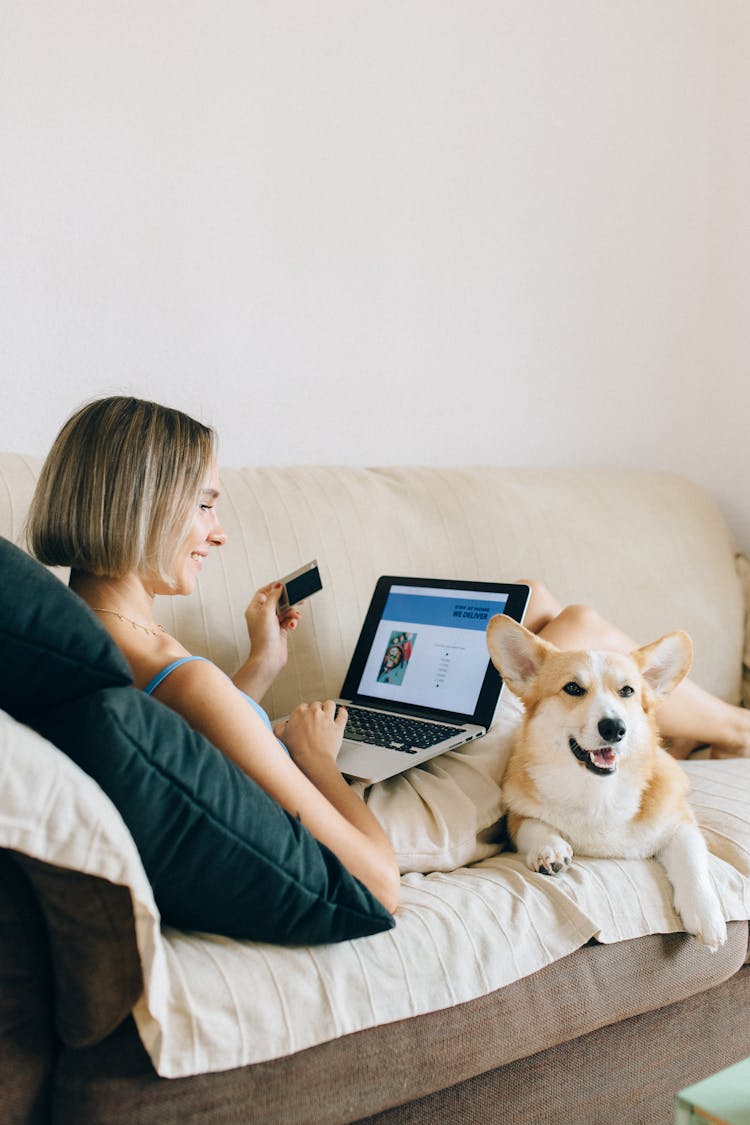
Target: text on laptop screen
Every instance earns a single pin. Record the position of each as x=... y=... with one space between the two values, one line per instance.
x=429 y=648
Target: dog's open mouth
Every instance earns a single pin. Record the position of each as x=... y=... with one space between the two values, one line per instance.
x=603 y=760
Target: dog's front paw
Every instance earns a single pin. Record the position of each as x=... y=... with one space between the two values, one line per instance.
x=552 y=858
x=705 y=921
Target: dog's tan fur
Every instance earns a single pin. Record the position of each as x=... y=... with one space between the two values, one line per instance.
x=587 y=772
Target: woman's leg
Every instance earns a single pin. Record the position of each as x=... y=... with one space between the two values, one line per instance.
x=688 y=718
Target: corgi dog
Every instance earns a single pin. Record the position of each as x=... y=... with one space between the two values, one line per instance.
x=587 y=773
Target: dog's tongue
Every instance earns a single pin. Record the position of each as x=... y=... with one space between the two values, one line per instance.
x=605 y=757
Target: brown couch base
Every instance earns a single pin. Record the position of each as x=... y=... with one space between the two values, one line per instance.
x=560 y=1009
x=629 y=1072
x=27 y=1035
x=550 y=1015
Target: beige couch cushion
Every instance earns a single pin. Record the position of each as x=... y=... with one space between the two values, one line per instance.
x=615 y=540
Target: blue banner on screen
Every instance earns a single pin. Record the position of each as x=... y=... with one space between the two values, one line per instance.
x=429 y=648
x=452 y=611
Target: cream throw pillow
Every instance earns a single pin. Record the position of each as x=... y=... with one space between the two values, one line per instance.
x=53 y=811
x=444 y=814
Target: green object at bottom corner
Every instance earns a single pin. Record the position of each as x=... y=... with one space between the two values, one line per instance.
x=722 y=1099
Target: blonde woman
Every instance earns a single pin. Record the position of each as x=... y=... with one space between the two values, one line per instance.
x=127 y=498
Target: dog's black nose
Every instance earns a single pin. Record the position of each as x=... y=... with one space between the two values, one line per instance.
x=611 y=729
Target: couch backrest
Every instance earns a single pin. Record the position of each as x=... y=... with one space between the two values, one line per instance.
x=650 y=550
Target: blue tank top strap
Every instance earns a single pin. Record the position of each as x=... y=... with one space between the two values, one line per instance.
x=152 y=685
x=257 y=707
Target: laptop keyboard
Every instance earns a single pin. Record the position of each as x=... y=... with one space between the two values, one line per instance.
x=395 y=732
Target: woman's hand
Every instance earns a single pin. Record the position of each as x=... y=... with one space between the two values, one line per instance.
x=267 y=630
x=268 y=633
x=312 y=734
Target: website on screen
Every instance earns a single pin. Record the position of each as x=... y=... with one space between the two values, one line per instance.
x=429 y=648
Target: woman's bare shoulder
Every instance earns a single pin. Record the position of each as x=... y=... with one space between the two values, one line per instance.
x=190 y=680
x=147 y=655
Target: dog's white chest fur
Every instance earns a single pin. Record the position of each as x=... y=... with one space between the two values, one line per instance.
x=597 y=815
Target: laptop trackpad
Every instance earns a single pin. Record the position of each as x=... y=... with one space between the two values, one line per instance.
x=373 y=763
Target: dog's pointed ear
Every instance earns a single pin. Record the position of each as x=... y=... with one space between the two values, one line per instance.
x=665 y=663
x=516 y=653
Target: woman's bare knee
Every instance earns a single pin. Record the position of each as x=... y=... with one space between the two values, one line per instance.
x=583 y=627
x=582 y=618
x=543 y=607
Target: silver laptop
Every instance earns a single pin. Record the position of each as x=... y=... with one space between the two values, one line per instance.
x=421 y=681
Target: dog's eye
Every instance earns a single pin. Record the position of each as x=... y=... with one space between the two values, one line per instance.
x=574 y=689
x=626 y=691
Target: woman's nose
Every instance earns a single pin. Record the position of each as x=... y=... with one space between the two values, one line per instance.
x=218 y=536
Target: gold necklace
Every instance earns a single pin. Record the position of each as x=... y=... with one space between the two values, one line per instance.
x=155 y=631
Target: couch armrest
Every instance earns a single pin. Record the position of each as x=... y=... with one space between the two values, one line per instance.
x=743 y=569
x=95 y=961
x=27 y=1039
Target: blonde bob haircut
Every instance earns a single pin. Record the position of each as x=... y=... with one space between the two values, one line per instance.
x=119 y=488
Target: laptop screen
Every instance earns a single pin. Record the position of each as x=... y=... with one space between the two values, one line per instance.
x=428 y=648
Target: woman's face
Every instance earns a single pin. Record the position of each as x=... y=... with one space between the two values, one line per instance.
x=205 y=532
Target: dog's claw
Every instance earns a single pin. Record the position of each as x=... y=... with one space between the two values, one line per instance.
x=705 y=921
x=712 y=936
x=551 y=859
x=712 y=940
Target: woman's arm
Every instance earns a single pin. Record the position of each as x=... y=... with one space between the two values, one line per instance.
x=313 y=734
x=312 y=790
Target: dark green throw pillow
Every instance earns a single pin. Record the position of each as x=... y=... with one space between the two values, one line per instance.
x=54 y=648
x=221 y=855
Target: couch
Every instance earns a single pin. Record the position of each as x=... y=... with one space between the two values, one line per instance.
x=499 y=994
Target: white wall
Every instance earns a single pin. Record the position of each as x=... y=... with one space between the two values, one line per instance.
x=724 y=398
x=385 y=230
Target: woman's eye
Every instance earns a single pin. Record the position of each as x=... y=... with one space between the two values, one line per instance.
x=574 y=689
x=206 y=507
x=626 y=691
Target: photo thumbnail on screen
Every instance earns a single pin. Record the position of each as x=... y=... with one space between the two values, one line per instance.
x=396 y=658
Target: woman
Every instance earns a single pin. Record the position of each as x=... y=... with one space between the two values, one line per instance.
x=128 y=499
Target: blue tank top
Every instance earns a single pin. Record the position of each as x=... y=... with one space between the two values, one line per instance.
x=152 y=685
